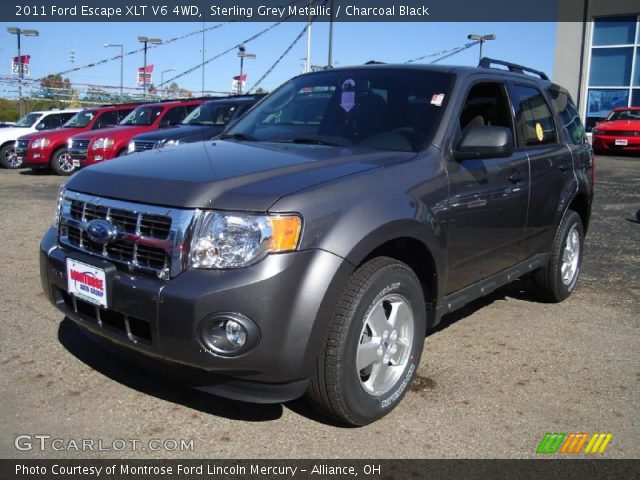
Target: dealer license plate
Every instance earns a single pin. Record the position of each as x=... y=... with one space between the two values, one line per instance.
x=87 y=282
x=75 y=163
x=622 y=142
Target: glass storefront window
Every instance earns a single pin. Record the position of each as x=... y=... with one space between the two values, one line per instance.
x=636 y=75
x=635 y=98
x=601 y=102
x=614 y=31
x=611 y=67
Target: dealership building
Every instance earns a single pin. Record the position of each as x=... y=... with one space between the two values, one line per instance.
x=598 y=59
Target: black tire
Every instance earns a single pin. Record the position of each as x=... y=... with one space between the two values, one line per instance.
x=548 y=282
x=5 y=152
x=59 y=166
x=337 y=387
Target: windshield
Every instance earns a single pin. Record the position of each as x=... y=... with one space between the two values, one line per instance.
x=142 y=116
x=211 y=113
x=80 y=119
x=28 y=120
x=379 y=108
x=624 y=115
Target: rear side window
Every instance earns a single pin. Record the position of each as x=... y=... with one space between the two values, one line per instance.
x=123 y=113
x=534 y=118
x=54 y=120
x=174 y=116
x=568 y=113
x=107 y=119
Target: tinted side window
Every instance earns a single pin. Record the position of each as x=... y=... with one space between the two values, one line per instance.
x=534 y=118
x=568 y=113
x=123 y=113
x=54 y=120
x=486 y=105
x=173 y=116
x=107 y=119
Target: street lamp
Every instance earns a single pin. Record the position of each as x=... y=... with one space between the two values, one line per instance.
x=146 y=40
x=481 y=39
x=121 y=60
x=27 y=33
x=162 y=75
x=242 y=53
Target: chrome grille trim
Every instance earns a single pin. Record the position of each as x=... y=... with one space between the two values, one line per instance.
x=80 y=144
x=144 y=145
x=169 y=237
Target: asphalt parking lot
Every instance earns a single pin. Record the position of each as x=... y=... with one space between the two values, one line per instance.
x=494 y=378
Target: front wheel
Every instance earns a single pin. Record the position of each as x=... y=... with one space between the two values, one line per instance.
x=61 y=162
x=558 y=278
x=374 y=344
x=8 y=157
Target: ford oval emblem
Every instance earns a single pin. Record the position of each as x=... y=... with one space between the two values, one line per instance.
x=101 y=231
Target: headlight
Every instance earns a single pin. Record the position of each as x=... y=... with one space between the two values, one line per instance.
x=232 y=240
x=131 y=147
x=168 y=143
x=40 y=143
x=56 y=217
x=103 y=143
x=69 y=143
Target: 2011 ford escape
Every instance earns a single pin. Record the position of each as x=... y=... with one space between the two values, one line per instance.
x=311 y=246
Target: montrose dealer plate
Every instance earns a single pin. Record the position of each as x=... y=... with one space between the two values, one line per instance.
x=87 y=282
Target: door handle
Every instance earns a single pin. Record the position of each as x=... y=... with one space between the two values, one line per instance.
x=516 y=176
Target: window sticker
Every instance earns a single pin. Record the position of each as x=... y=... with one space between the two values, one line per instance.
x=348 y=97
x=539 y=132
x=437 y=99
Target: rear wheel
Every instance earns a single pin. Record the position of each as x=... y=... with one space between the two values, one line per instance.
x=556 y=281
x=374 y=344
x=61 y=162
x=8 y=157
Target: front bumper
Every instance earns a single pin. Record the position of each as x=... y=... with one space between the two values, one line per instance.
x=290 y=297
x=35 y=157
x=83 y=158
x=606 y=142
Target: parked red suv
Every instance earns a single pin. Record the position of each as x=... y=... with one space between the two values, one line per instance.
x=92 y=147
x=43 y=150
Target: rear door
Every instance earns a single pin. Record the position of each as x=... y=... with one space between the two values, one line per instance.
x=486 y=215
x=550 y=160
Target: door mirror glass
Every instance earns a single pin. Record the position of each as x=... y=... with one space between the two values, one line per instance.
x=485 y=142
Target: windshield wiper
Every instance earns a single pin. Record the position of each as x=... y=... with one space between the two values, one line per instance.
x=243 y=137
x=307 y=141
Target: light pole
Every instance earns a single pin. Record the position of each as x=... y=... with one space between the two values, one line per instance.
x=242 y=53
x=330 y=59
x=27 y=33
x=121 y=61
x=481 y=39
x=146 y=40
x=162 y=75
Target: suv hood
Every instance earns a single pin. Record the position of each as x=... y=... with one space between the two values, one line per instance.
x=12 y=133
x=186 y=133
x=55 y=133
x=115 y=132
x=227 y=175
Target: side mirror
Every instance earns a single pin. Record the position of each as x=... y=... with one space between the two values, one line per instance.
x=485 y=142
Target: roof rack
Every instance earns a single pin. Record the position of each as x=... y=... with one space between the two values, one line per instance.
x=374 y=62
x=486 y=62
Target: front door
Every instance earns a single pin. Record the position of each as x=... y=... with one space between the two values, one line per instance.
x=487 y=210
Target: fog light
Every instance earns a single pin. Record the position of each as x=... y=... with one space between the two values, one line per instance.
x=228 y=334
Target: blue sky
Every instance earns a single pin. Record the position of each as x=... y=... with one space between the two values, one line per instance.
x=531 y=44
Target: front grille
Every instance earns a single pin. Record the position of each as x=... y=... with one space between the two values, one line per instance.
x=143 y=145
x=80 y=144
x=22 y=144
x=149 y=238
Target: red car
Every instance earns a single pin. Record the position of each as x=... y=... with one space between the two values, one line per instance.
x=619 y=131
x=92 y=147
x=43 y=150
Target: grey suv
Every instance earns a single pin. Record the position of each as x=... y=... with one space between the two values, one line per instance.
x=310 y=247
